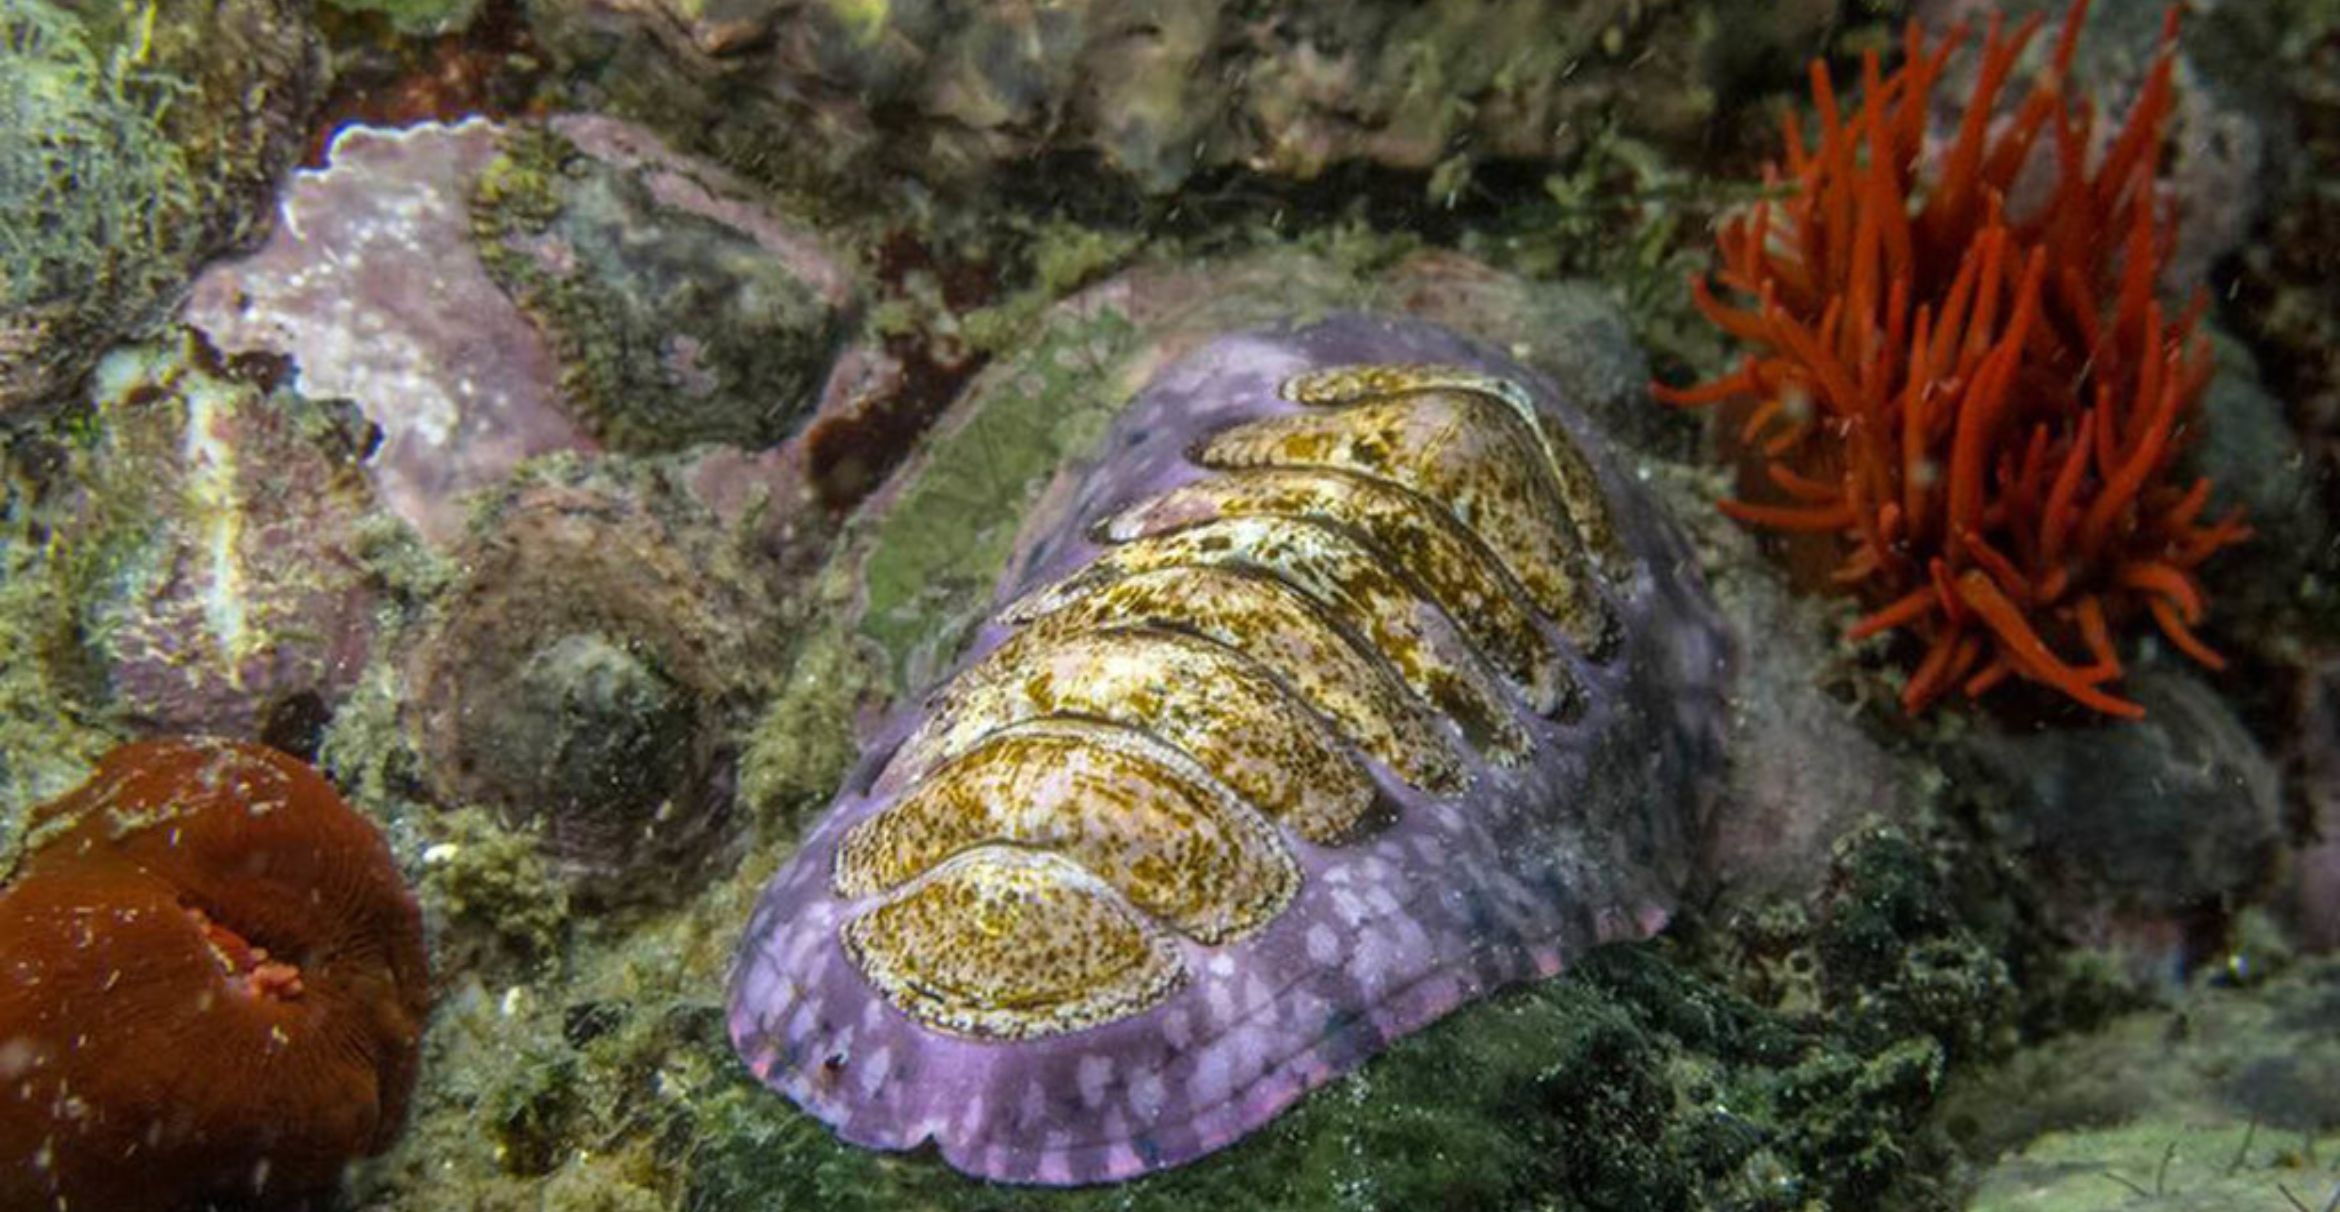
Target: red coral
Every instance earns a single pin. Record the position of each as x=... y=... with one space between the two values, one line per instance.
x=212 y=986
x=1984 y=408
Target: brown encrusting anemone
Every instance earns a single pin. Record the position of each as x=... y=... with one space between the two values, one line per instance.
x=212 y=988
x=1982 y=397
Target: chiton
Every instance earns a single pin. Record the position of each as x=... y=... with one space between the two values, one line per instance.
x=1353 y=683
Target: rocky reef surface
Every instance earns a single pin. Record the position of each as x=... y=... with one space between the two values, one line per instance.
x=578 y=491
x=142 y=139
x=960 y=95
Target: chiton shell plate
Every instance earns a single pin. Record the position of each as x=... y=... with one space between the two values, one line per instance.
x=1351 y=682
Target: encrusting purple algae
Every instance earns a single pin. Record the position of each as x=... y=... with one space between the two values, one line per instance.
x=1351 y=686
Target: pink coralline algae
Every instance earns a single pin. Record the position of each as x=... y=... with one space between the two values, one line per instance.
x=1353 y=684
x=370 y=287
x=489 y=294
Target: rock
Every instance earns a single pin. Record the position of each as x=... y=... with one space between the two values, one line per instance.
x=958 y=94
x=2312 y=765
x=2256 y=461
x=587 y=675
x=2139 y=834
x=372 y=290
x=2217 y=165
x=2224 y=1100
x=1804 y=771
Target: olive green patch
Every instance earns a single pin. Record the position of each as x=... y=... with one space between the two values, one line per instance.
x=936 y=553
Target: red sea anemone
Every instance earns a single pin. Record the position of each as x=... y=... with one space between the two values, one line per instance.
x=212 y=985
x=1981 y=399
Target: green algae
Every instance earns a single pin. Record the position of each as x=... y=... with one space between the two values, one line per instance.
x=935 y=554
x=1062 y=256
x=51 y=710
x=414 y=18
x=92 y=182
x=802 y=746
x=574 y=1080
x=491 y=888
x=1892 y=951
x=48 y=740
x=136 y=147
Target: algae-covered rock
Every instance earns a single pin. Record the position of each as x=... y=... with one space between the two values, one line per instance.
x=213 y=548
x=2227 y=1099
x=586 y=676
x=140 y=138
x=962 y=93
x=414 y=17
x=50 y=736
x=682 y=312
x=192 y=558
x=492 y=889
x=488 y=294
